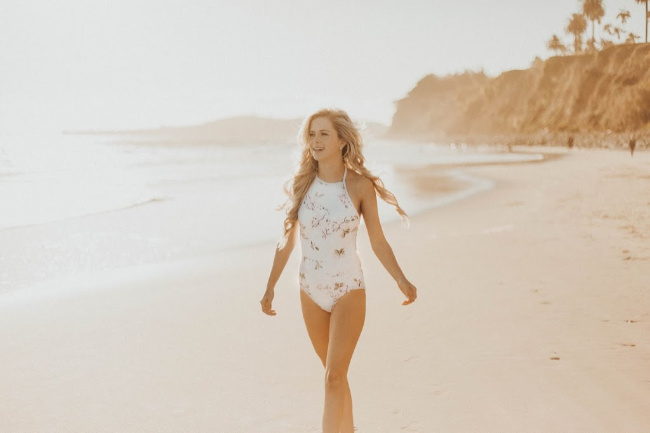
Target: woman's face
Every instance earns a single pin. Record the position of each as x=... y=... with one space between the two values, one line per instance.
x=324 y=142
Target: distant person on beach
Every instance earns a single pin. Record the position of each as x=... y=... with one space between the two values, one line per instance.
x=330 y=192
x=632 y=145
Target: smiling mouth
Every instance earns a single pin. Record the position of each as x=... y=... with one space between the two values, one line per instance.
x=317 y=149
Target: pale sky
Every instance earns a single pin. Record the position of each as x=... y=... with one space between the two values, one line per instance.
x=78 y=64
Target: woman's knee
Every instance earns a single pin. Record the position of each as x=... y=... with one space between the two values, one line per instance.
x=335 y=377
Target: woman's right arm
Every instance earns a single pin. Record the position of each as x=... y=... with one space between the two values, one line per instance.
x=279 y=262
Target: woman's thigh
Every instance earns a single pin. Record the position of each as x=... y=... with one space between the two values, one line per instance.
x=317 y=322
x=346 y=323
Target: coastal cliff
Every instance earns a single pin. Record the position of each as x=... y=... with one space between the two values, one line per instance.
x=607 y=91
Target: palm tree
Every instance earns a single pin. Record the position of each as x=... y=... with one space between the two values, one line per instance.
x=613 y=30
x=576 y=27
x=591 y=46
x=647 y=15
x=623 y=15
x=631 y=38
x=617 y=31
x=594 y=10
x=554 y=44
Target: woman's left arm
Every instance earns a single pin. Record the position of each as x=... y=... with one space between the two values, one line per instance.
x=380 y=245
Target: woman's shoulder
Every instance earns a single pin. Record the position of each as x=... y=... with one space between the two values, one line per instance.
x=360 y=184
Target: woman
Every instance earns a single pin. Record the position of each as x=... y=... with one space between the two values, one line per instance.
x=328 y=195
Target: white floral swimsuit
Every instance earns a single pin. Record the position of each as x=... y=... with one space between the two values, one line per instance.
x=330 y=266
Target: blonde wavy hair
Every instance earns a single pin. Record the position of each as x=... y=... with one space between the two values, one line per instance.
x=296 y=188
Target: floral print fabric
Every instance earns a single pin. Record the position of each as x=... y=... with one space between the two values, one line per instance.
x=329 y=222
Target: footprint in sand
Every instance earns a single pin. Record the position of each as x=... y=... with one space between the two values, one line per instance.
x=413 y=426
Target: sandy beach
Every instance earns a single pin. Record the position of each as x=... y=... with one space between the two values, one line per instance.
x=533 y=316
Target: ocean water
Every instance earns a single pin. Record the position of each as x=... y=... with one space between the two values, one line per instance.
x=73 y=204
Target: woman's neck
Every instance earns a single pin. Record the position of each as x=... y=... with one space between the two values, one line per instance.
x=332 y=171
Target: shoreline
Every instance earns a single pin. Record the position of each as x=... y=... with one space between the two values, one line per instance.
x=440 y=184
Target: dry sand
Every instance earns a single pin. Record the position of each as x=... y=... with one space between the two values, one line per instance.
x=533 y=315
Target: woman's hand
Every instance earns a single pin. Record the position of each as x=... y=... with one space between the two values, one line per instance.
x=409 y=291
x=266 y=302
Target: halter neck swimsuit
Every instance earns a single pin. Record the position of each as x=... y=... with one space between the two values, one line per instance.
x=329 y=222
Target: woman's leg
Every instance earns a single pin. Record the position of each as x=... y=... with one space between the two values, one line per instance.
x=347 y=423
x=346 y=323
x=317 y=322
